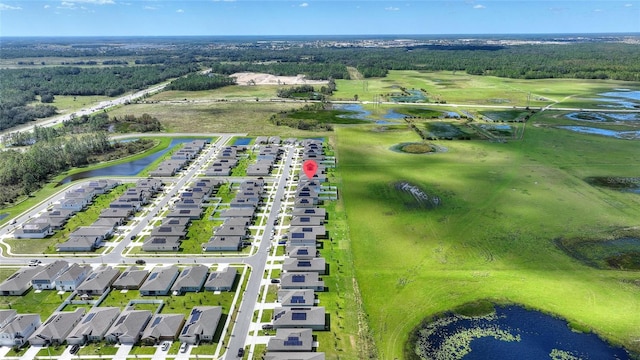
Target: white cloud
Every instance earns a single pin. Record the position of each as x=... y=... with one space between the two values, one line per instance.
x=597 y=10
x=179 y=11
x=479 y=6
x=47 y=6
x=150 y=8
x=97 y=2
x=4 y=7
x=391 y=8
x=628 y=5
x=67 y=5
x=304 y=5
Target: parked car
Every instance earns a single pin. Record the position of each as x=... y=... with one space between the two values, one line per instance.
x=275 y=281
x=183 y=347
x=140 y=262
x=165 y=345
x=267 y=327
x=241 y=352
x=74 y=349
x=34 y=262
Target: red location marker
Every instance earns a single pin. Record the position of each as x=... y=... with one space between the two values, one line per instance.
x=310 y=167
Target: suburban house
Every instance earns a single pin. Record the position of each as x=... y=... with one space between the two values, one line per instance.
x=295 y=318
x=191 y=213
x=152 y=185
x=298 y=356
x=162 y=243
x=93 y=326
x=73 y=276
x=191 y=279
x=19 y=282
x=159 y=281
x=291 y=340
x=306 y=221
x=46 y=278
x=79 y=244
x=33 y=229
x=6 y=316
x=221 y=280
x=99 y=281
x=318 y=232
x=99 y=232
x=201 y=324
x=311 y=212
x=303 y=298
x=223 y=243
x=309 y=280
x=56 y=328
x=238 y=212
x=102 y=186
x=130 y=279
x=162 y=327
x=19 y=329
x=318 y=265
x=57 y=218
x=302 y=252
x=169 y=230
x=232 y=230
x=74 y=205
x=128 y=327
x=118 y=213
x=176 y=221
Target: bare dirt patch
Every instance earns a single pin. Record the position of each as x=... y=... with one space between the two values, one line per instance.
x=250 y=78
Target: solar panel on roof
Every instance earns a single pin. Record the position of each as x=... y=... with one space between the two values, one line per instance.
x=297 y=299
x=195 y=315
x=309 y=211
x=305 y=219
x=299 y=316
x=293 y=341
x=156 y=321
x=304 y=263
x=185 y=272
x=121 y=320
x=307 y=229
x=297 y=235
x=185 y=211
x=303 y=251
x=153 y=276
x=88 y=318
x=297 y=278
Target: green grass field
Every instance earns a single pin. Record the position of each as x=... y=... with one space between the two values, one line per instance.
x=503 y=205
x=461 y=88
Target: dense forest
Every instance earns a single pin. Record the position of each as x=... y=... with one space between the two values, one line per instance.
x=197 y=82
x=19 y=87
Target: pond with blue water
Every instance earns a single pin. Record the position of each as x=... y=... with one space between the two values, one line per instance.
x=627 y=135
x=389 y=118
x=512 y=332
x=603 y=116
x=242 y=141
x=621 y=98
x=129 y=168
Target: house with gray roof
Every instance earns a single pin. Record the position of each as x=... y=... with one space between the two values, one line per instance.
x=131 y=278
x=201 y=324
x=218 y=169
x=279 y=355
x=99 y=281
x=172 y=221
x=243 y=202
x=46 y=278
x=162 y=327
x=221 y=280
x=306 y=221
x=307 y=280
x=19 y=282
x=100 y=232
x=223 y=243
x=33 y=229
x=318 y=232
x=318 y=265
x=191 y=279
x=119 y=213
x=238 y=212
x=73 y=276
x=232 y=230
x=304 y=298
x=162 y=243
x=312 y=212
x=291 y=340
x=79 y=244
x=74 y=205
x=261 y=168
x=56 y=328
x=302 y=252
x=94 y=325
x=6 y=316
x=112 y=223
x=191 y=213
x=128 y=328
x=152 y=185
x=169 y=230
x=296 y=318
x=19 y=329
x=159 y=281
x=102 y=186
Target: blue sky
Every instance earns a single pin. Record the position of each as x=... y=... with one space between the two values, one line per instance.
x=309 y=17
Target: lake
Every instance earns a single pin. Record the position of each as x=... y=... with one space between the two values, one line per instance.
x=627 y=135
x=511 y=333
x=129 y=168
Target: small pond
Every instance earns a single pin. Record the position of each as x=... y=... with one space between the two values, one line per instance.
x=628 y=135
x=242 y=141
x=413 y=96
x=511 y=333
x=129 y=168
x=390 y=118
x=603 y=116
x=621 y=98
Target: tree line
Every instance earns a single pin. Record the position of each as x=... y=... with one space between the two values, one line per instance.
x=197 y=82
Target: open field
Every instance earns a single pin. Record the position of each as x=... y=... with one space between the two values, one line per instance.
x=492 y=237
x=227 y=92
x=461 y=88
x=252 y=118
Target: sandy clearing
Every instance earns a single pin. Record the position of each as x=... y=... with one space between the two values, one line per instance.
x=249 y=78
